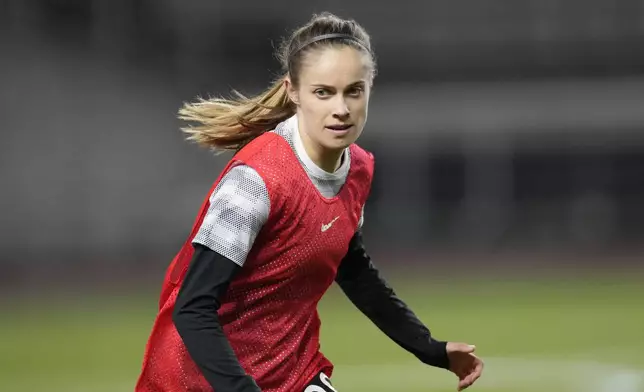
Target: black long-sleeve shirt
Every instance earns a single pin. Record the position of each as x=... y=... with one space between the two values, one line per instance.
x=208 y=277
x=195 y=317
x=363 y=284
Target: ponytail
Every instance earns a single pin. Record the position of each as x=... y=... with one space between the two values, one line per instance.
x=230 y=124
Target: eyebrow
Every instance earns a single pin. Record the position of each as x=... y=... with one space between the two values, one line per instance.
x=359 y=82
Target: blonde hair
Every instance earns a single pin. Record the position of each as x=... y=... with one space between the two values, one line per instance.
x=229 y=124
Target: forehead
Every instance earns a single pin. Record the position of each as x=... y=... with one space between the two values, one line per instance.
x=335 y=66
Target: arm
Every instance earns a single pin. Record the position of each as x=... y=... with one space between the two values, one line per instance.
x=362 y=283
x=196 y=320
x=239 y=206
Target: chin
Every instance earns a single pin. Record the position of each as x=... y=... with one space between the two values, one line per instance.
x=342 y=141
x=339 y=143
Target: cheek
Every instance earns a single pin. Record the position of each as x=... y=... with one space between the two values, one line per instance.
x=315 y=109
x=359 y=107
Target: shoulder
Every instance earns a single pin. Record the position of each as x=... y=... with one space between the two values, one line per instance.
x=240 y=178
x=361 y=159
x=239 y=207
x=360 y=153
x=259 y=146
x=242 y=186
x=273 y=160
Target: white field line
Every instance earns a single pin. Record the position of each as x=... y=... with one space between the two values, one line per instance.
x=500 y=372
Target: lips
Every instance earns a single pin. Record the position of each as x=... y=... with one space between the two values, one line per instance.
x=341 y=127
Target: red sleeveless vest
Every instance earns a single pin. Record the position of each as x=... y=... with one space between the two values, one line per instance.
x=269 y=313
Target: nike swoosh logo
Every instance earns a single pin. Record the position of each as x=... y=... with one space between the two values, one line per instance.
x=328 y=225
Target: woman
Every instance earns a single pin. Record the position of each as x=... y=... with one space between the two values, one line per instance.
x=238 y=308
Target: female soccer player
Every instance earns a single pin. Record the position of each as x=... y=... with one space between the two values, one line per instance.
x=238 y=308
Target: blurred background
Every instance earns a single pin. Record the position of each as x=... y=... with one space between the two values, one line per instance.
x=506 y=207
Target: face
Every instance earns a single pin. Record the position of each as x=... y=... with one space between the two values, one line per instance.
x=332 y=97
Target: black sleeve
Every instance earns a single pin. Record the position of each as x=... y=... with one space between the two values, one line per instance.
x=360 y=280
x=196 y=320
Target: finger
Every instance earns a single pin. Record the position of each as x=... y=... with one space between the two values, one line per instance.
x=466 y=381
x=478 y=369
x=477 y=365
x=476 y=373
x=463 y=384
x=460 y=347
x=472 y=378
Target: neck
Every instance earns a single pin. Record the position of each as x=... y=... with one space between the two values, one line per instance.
x=325 y=159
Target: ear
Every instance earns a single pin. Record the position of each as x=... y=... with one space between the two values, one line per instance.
x=291 y=91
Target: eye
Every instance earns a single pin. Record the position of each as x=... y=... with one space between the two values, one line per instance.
x=322 y=93
x=356 y=91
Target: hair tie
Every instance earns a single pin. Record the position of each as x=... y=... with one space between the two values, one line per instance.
x=329 y=36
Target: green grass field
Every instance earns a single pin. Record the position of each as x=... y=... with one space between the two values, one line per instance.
x=540 y=335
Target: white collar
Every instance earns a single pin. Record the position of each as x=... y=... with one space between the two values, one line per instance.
x=308 y=163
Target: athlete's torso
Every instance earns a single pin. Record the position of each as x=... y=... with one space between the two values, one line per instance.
x=290 y=239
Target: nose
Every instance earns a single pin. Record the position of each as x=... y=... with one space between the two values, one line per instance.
x=341 y=109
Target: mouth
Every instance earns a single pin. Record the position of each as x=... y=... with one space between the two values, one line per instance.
x=341 y=128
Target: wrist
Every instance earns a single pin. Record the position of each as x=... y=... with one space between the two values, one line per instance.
x=436 y=355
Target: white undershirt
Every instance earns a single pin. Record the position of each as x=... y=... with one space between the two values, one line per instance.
x=340 y=175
